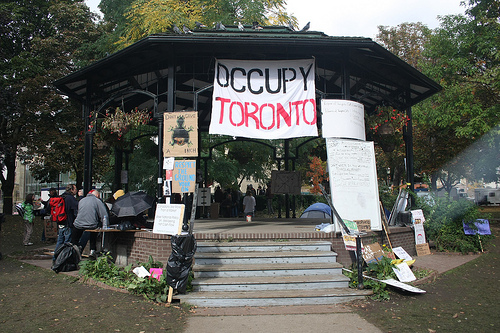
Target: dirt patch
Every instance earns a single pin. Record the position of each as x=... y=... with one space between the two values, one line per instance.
x=35 y=299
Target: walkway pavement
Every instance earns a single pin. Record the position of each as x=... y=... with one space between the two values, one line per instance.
x=291 y=319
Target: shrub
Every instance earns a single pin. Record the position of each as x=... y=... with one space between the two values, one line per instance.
x=444 y=219
x=103 y=269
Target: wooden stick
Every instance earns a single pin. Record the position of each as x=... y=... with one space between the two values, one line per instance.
x=170 y=295
x=385 y=224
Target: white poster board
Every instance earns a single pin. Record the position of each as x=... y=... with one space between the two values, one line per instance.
x=168 y=219
x=353 y=180
x=342 y=119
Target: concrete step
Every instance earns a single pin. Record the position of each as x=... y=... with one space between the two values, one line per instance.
x=270 y=283
x=268 y=273
x=267 y=257
x=274 y=298
x=258 y=246
x=210 y=271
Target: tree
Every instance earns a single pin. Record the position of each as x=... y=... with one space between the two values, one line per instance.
x=317 y=174
x=148 y=17
x=407 y=40
x=463 y=56
x=41 y=40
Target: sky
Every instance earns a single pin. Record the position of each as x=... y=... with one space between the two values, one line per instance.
x=360 y=18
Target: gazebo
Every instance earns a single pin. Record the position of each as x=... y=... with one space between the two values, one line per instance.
x=174 y=72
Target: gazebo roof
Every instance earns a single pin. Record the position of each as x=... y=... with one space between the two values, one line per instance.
x=376 y=76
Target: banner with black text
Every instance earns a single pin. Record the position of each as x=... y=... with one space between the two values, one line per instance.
x=264 y=99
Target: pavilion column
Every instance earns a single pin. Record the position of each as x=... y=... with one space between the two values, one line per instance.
x=408 y=138
x=89 y=142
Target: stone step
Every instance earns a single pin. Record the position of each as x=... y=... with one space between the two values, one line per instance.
x=270 y=283
x=268 y=257
x=263 y=246
x=206 y=271
x=274 y=298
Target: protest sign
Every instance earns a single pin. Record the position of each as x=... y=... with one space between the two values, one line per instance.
x=168 y=219
x=423 y=249
x=372 y=252
x=401 y=253
x=184 y=176
x=419 y=233
x=403 y=272
x=180 y=134
x=264 y=99
x=350 y=241
x=343 y=119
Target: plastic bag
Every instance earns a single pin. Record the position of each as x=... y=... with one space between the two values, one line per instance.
x=67 y=258
x=180 y=261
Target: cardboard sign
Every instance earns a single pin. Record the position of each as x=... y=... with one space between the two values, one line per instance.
x=350 y=241
x=168 y=219
x=372 y=252
x=423 y=249
x=184 y=176
x=50 y=228
x=264 y=99
x=364 y=225
x=343 y=119
x=180 y=134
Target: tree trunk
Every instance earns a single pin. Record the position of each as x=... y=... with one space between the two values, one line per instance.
x=8 y=182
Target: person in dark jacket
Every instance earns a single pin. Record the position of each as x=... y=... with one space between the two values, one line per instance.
x=71 y=209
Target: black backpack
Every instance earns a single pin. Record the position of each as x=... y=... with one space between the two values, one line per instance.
x=67 y=258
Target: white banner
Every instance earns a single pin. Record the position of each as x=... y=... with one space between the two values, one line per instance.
x=264 y=99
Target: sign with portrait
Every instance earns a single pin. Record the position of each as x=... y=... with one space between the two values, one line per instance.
x=180 y=134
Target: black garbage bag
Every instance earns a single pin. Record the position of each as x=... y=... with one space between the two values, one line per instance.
x=180 y=261
x=67 y=258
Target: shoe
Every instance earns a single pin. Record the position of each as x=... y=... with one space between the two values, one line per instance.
x=28 y=244
x=92 y=255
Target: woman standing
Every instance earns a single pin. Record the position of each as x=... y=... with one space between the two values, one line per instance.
x=28 y=218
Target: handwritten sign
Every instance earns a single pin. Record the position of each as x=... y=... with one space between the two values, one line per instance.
x=372 y=252
x=168 y=219
x=353 y=180
x=363 y=225
x=404 y=273
x=184 y=176
x=423 y=249
x=343 y=119
x=401 y=253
